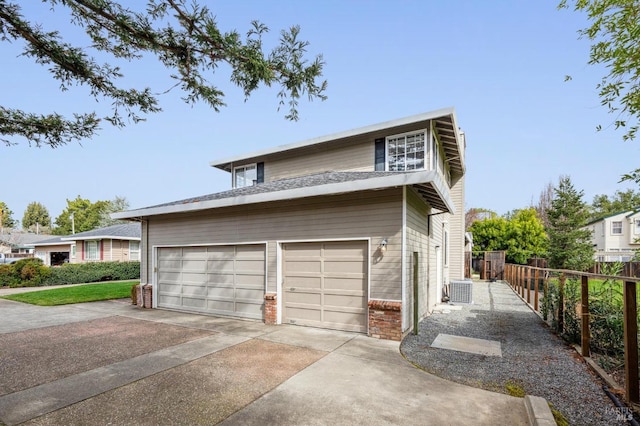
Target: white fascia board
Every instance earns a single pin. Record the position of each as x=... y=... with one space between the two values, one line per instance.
x=101 y=237
x=450 y=111
x=327 y=189
x=59 y=243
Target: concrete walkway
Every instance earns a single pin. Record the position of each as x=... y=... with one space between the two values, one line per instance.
x=211 y=370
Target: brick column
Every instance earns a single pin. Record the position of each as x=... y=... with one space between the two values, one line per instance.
x=385 y=319
x=147 y=293
x=270 y=309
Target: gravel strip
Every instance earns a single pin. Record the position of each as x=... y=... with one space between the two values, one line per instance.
x=533 y=358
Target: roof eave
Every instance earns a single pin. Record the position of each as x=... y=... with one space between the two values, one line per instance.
x=225 y=163
x=430 y=181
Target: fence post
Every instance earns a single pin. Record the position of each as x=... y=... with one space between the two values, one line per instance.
x=527 y=284
x=523 y=280
x=536 y=275
x=561 y=282
x=631 y=342
x=584 y=313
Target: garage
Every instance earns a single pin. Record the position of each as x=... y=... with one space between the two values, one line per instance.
x=222 y=280
x=325 y=285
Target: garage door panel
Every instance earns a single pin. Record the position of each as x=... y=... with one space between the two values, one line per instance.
x=220 y=266
x=221 y=292
x=344 y=266
x=249 y=294
x=194 y=278
x=325 y=284
x=193 y=291
x=344 y=283
x=169 y=277
x=224 y=280
x=337 y=301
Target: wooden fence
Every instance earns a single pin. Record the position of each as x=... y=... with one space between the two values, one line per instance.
x=529 y=282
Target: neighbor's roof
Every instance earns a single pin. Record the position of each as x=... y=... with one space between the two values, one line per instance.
x=20 y=239
x=122 y=231
x=52 y=242
x=444 y=120
x=428 y=184
x=627 y=213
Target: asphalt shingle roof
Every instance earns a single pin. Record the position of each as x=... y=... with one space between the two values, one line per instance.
x=283 y=185
x=130 y=230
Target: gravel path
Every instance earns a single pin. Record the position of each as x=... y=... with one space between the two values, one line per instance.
x=533 y=358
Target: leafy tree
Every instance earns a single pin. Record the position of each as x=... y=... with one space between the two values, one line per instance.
x=79 y=216
x=36 y=216
x=181 y=34
x=570 y=245
x=6 y=219
x=118 y=204
x=520 y=234
x=614 y=30
x=621 y=201
x=489 y=234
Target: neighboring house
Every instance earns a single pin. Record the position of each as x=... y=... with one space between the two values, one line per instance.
x=116 y=243
x=617 y=236
x=331 y=232
x=18 y=242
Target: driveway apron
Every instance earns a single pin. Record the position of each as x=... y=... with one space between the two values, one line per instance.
x=152 y=367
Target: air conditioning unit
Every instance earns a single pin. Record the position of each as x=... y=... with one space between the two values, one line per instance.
x=461 y=292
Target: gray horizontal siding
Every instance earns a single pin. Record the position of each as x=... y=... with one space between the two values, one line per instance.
x=374 y=214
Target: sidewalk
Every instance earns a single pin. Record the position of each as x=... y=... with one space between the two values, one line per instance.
x=516 y=351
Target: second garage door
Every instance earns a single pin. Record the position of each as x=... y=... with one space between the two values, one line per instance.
x=224 y=280
x=325 y=285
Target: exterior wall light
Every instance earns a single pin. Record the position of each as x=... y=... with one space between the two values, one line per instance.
x=383 y=245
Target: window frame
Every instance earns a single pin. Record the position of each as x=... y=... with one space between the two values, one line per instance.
x=136 y=251
x=614 y=228
x=425 y=149
x=244 y=167
x=636 y=228
x=87 y=252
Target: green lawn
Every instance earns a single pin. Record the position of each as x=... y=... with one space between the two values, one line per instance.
x=76 y=294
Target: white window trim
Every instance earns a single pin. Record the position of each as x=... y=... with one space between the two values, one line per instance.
x=636 y=228
x=427 y=148
x=86 y=249
x=613 y=222
x=134 y=251
x=244 y=166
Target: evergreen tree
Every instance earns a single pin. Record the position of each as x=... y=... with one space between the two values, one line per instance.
x=182 y=35
x=36 y=216
x=6 y=219
x=570 y=245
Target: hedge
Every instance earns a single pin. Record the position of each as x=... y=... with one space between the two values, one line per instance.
x=31 y=272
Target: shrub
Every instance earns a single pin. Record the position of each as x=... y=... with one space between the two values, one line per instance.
x=7 y=276
x=76 y=273
x=29 y=272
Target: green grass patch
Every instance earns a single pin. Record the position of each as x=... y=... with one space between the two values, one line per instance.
x=514 y=389
x=76 y=294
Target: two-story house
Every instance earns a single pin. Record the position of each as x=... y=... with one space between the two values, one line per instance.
x=353 y=231
x=617 y=236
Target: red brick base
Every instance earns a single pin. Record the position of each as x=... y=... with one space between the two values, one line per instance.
x=147 y=295
x=385 y=319
x=270 y=308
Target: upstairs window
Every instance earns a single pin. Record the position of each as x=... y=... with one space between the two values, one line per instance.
x=406 y=152
x=245 y=176
x=616 y=228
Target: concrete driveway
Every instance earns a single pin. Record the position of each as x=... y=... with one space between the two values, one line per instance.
x=112 y=363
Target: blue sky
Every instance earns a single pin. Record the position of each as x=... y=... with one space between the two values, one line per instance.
x=501 y=64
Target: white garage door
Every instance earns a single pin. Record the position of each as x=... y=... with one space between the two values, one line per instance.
x=222 y=280
x=325 y=285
